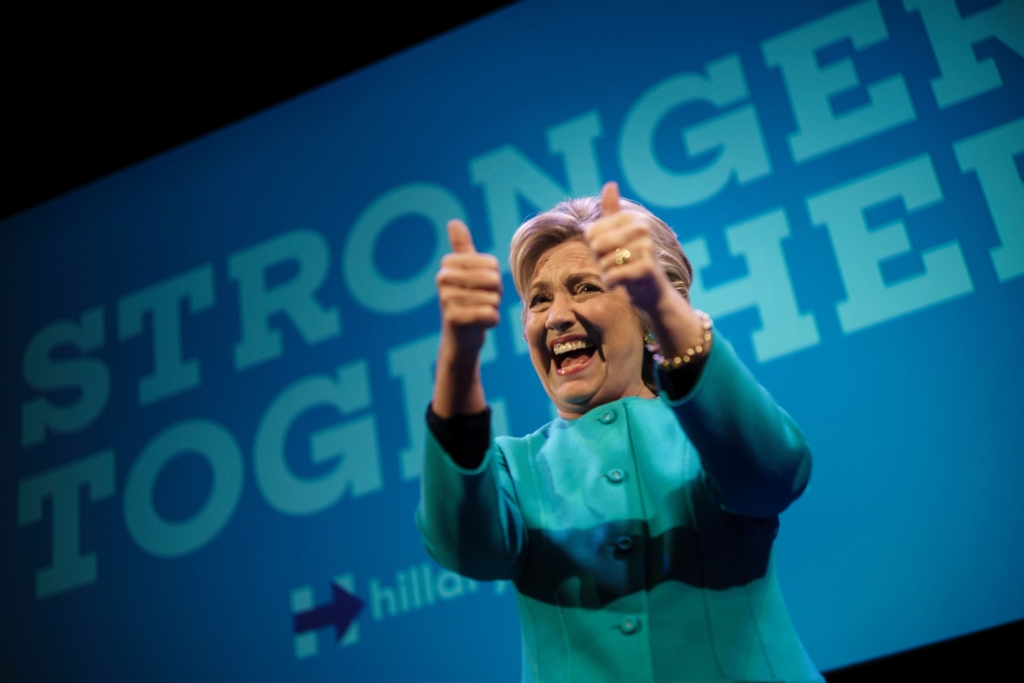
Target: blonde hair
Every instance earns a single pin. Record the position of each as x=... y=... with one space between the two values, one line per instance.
x=567 y=221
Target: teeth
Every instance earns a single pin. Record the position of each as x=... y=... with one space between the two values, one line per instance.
x=574 y=345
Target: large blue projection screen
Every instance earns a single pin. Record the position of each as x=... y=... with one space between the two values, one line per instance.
x=216 y=362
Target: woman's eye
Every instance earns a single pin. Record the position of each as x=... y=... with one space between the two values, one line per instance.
x=589 y=287
x=538 y=300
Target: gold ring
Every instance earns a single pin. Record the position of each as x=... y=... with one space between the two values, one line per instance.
x=622 y=256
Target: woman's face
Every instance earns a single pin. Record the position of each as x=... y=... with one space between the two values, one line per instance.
x=585 y=341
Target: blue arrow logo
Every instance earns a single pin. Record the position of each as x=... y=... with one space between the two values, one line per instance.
x=339 y=613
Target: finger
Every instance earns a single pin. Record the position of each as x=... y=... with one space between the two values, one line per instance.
x=642 y=252
x=452 y=299
x=469 y=261
x=470 y=270
x=610 y=198
x=630 y=275
x=627 y=235
x=484 y=316
x=637 y=257
x=607 y=224
x=459 y=237
x=486 y=280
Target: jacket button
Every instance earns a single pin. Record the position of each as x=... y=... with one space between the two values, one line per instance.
x=624 y=544
x=608 y=417
x=616 y=476
x=630 y=625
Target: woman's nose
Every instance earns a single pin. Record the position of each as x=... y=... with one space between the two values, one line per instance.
x=560 y=315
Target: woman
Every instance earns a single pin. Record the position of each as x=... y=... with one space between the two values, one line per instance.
x=637 y=527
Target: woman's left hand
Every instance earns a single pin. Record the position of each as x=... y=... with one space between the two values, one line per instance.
x=626 y=253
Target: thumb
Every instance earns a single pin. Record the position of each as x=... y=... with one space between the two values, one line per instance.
x=459 y=237
x=610 y=198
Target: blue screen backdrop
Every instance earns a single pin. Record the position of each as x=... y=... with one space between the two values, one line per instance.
x=217 y=361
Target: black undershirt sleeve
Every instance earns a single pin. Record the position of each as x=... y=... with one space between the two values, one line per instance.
x=680 y=382
x=465 y=438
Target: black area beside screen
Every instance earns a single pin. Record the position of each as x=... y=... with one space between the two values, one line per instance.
x=88 y=97
x=985 y=655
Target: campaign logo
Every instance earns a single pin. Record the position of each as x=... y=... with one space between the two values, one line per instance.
x=417 y=587
x=340 y=613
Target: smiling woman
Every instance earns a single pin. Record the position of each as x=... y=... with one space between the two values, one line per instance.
x=548 y=236
x=638 y=526
x=587 y=348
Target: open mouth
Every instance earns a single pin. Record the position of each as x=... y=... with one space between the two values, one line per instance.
x=572 y=356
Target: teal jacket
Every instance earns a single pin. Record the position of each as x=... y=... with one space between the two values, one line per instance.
x=638 y=536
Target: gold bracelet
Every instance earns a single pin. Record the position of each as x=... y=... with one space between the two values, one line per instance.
x=692 y=353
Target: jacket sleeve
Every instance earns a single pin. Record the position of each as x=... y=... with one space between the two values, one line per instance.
x=755 y=459
x=469 y=519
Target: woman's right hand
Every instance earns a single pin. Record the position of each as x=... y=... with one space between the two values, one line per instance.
x=469 y=291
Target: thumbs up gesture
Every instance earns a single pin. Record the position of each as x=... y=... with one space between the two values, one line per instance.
x=627 y=253
x=469 y=292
